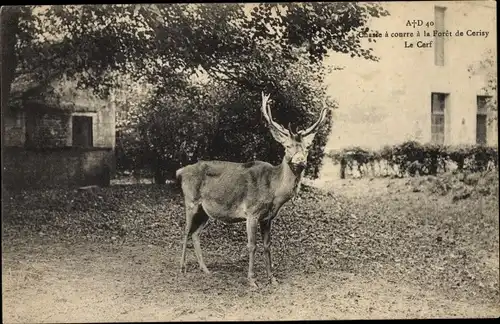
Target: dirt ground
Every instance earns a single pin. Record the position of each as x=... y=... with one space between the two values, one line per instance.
x=75 y=284
x=102 y=282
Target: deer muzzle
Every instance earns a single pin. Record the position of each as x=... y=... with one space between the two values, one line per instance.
x=299 y=160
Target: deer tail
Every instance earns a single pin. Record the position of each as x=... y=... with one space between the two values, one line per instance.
x=178 y=174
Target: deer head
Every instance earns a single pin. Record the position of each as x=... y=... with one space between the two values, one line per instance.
x=296 y=143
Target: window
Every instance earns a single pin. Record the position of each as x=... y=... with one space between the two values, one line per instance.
x=438 y=105
x=439 y=40
x=82 y=131
x=481 y=119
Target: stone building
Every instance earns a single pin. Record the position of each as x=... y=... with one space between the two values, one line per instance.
x=416 y=92
x=65 y=142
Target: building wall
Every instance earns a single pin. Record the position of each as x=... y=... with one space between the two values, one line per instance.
x=56 y=167
x=56 y=117
x=54 y=126
x=47 y=129
x=389 y=101
x=50 y=159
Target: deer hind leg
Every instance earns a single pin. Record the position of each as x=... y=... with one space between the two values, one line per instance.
x=199 y=222
x=196 y=219
x=190 y=212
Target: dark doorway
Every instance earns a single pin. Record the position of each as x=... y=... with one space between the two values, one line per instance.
x=82 y=131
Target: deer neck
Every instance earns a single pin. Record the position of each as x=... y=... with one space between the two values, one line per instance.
x=289 y=179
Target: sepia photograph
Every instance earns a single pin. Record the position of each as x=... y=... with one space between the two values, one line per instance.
x=248 y=161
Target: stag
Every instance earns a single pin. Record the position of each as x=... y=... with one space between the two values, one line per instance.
x=251 y=192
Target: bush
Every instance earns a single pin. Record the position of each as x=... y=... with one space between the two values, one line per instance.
x=347 y=157
x=412 y=158
x=212 y=123
x=481 y=157
x=434 y=159
x=474 y=158
x=459 y=154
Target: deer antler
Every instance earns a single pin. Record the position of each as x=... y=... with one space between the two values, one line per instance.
x=315 y=125
x=266 y=111
x=292 y=132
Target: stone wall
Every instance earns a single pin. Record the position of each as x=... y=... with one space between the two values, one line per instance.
x=46 y=126
x=48 y=129
x=67 y=167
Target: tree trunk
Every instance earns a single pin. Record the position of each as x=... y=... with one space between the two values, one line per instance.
x=158 y=174
x=9 y=19
x=170 y=169
x=460 y=164
x=343 y=165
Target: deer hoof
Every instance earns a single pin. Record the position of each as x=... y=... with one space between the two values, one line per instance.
x=206 y=271
x=273 y=281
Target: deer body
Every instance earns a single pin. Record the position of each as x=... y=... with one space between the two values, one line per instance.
x=251 y=192
x=231 y=192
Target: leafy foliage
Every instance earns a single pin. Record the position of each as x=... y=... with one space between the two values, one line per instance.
x=162 y=42
x=218 y=122
x=412 y=157
x=165 y=132
x=277 y=48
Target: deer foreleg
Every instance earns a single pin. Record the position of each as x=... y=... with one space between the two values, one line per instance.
x=251 y=233
x=265 y=230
